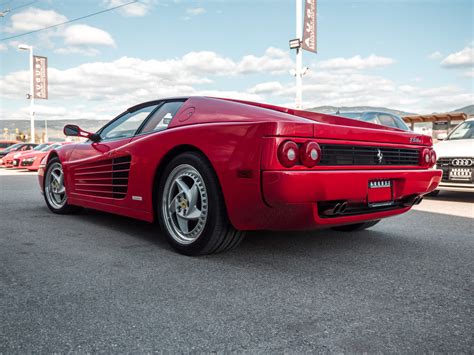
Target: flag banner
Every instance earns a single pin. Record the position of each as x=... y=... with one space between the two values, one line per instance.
x=40 y=77
x=309 y=29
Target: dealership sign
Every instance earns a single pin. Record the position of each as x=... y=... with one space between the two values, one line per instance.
x=309 y=29
x=40 y=77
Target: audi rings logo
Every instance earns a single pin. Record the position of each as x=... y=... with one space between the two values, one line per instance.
x=463 y=162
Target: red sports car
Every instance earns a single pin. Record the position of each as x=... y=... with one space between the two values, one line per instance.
x=209 y=169
x=18 y=156
x=7 y=155
x=32 y=159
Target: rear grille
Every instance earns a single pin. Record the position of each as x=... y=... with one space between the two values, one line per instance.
x=339 y=154
x=105 y=178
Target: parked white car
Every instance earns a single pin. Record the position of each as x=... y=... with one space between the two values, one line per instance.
x=456 y=158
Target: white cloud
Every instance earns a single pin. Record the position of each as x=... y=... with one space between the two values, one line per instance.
x=3 y=47
x=271 y=87
x=356 y=63
x=275 y=61
x=462 y=59
x=435 y=55
x=84 y=35
x=137 y=9
x=194 y=11
x=33 y=19
x=105 y=88
x=131 y=80
x=469 y=73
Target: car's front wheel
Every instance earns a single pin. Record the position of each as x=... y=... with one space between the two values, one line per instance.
x=356 y=227
x=191 y=207
x=55 y=190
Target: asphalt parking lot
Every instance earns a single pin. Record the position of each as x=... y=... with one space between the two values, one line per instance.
x=96 y=282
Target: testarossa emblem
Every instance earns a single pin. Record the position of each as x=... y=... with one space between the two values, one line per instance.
x=415 y=140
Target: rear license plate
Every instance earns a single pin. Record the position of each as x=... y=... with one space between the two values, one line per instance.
x=460 y=174
x=15 y=163
x=380 y=193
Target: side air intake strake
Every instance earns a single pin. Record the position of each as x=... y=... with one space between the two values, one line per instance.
x=105 y=178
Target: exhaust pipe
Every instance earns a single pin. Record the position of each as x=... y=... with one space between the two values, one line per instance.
x=412 y=201
x=342 y=208
x=337 y=208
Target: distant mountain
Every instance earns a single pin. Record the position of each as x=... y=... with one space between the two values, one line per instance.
x=467 y=110
x=10 y=128
x=334 y=109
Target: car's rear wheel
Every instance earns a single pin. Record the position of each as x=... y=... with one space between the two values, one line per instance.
x=191 y=208
x=55 y=190
x=356 y=227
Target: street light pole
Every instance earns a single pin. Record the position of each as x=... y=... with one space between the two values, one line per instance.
x=31 y=94
x=299 y=55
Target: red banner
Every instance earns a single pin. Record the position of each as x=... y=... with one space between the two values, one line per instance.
x=309 y=29
x=40 y=77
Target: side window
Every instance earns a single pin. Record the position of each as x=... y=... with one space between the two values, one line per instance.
x=387 y=120
x=162 y=117
x=23 y=148
x=126 y=125
x=400 y=123
x=371 y=118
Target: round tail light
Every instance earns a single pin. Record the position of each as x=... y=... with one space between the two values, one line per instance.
x=288 y=153
x=427 y=157
x=310 y=154
x=433 y=157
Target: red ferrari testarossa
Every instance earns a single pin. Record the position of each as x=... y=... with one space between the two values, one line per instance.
x=209 y=169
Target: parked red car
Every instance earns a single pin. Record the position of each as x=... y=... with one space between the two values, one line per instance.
x=17 y=158
x=7 y=154
x=31 y=160
x=209 y=169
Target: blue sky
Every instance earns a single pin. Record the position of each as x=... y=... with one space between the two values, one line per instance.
x=414 y=55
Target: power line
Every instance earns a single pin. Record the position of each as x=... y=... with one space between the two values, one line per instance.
x=69 y=21
x=7 y=11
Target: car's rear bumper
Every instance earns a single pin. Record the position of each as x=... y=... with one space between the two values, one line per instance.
x=325 y=189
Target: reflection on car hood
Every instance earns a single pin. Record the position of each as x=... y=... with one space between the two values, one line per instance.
x=455 y=148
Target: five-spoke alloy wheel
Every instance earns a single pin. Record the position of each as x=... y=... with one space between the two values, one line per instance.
x=55 y=189
x=185 y=204
x=191 y=207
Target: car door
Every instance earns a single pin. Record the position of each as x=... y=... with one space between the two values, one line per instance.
x=99 y=171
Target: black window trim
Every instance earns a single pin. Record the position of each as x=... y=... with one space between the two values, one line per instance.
x=130 y=110
x=138 y=107
x=139 y=130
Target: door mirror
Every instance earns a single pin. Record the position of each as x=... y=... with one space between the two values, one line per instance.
x=72 y=130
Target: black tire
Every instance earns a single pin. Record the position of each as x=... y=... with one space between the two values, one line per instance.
x=356 y=227
x=64 y=208
x=216 y=233
x=433 y=193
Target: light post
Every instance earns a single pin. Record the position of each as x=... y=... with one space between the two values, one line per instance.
x=299 y=55
x=297 y=44
x=31 y=95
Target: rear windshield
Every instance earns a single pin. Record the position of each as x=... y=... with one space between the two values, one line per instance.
x=356 y=115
